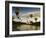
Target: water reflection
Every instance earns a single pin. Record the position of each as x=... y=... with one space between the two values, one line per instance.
x=24 y=27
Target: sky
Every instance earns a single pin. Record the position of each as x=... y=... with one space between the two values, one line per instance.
x=24 y=10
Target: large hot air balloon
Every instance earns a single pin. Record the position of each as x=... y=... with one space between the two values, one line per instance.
x=17 y=12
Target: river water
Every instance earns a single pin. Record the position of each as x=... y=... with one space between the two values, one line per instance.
x=28 y=27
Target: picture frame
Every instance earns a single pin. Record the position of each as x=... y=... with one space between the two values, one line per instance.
x=9 y=5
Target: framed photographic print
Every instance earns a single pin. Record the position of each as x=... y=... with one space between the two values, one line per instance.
x=24 y=19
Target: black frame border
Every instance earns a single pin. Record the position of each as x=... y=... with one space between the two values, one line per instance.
x=7 y=18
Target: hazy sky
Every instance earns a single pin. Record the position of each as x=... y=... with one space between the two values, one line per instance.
x=24 y=10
